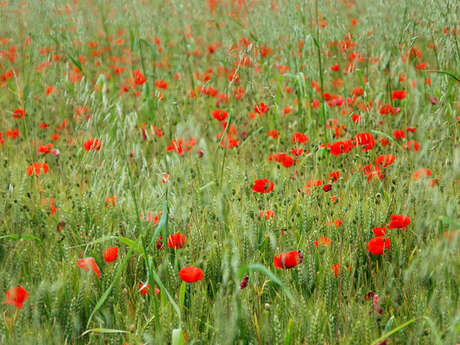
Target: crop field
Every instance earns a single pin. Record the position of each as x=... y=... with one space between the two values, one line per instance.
x=260 y=172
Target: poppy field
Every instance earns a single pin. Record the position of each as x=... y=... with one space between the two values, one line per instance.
x=273 y=172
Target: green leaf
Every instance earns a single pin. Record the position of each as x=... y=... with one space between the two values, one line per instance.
x=102 y=239
x=132 y=244
x=262 y=269
x=450 y=222
x=157 y=279
x=182 y=294
x=389 y=324
x=177 y=337
x=162 y=225
x=288 y=336
x=102 y=299
x=446 y=73
x=18 y=237
x=103 y=331
x=395 y=330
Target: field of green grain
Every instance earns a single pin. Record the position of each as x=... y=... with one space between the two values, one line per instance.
x=264 y=172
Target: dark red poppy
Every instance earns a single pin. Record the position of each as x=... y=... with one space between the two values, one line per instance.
x=399 y=222
x=244 y=282
x=327 y=187
x=111 y=254
x=288 y=260
x=377 y=245
x=16 y=296
x=191 y=274
x=177 y=241
x=160 y=243
x=263 y=186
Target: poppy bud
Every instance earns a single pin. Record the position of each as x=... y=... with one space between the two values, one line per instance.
x=244 y=282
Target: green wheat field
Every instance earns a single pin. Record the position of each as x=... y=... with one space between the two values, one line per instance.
x=261 y=172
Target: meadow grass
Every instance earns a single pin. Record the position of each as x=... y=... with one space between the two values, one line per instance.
x=76 y=69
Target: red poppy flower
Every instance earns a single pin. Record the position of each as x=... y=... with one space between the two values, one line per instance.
x=335 y=268
x=421 y=173
x=161 y=84
x=36 y=169
x=334 y=176
x=399 y=94
x=411 y=145
x=327 y=187
x=273 y=133
x=177 y=241
x=297 y=151
x=324 y=241
x=111 y=254
x=16 y=296
x=12 y=133
x=340 y=147
x=19 y=113
x=87 y=264
x=299 y=138
x=144 y=289
x=191 y=274
x=45 y=148
x=263 y=186
x=365 y=141
x=219 y=114
x=288 y=260
x=383 y=161
x=399 y=134
x=387 y=109
x=139 y=78
x=377 y=245
x=335 y=68
x=384 y=142
x=92 y=144
x=261 y=108
x=379 y=231
x=399 y=222
x=267 y=214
